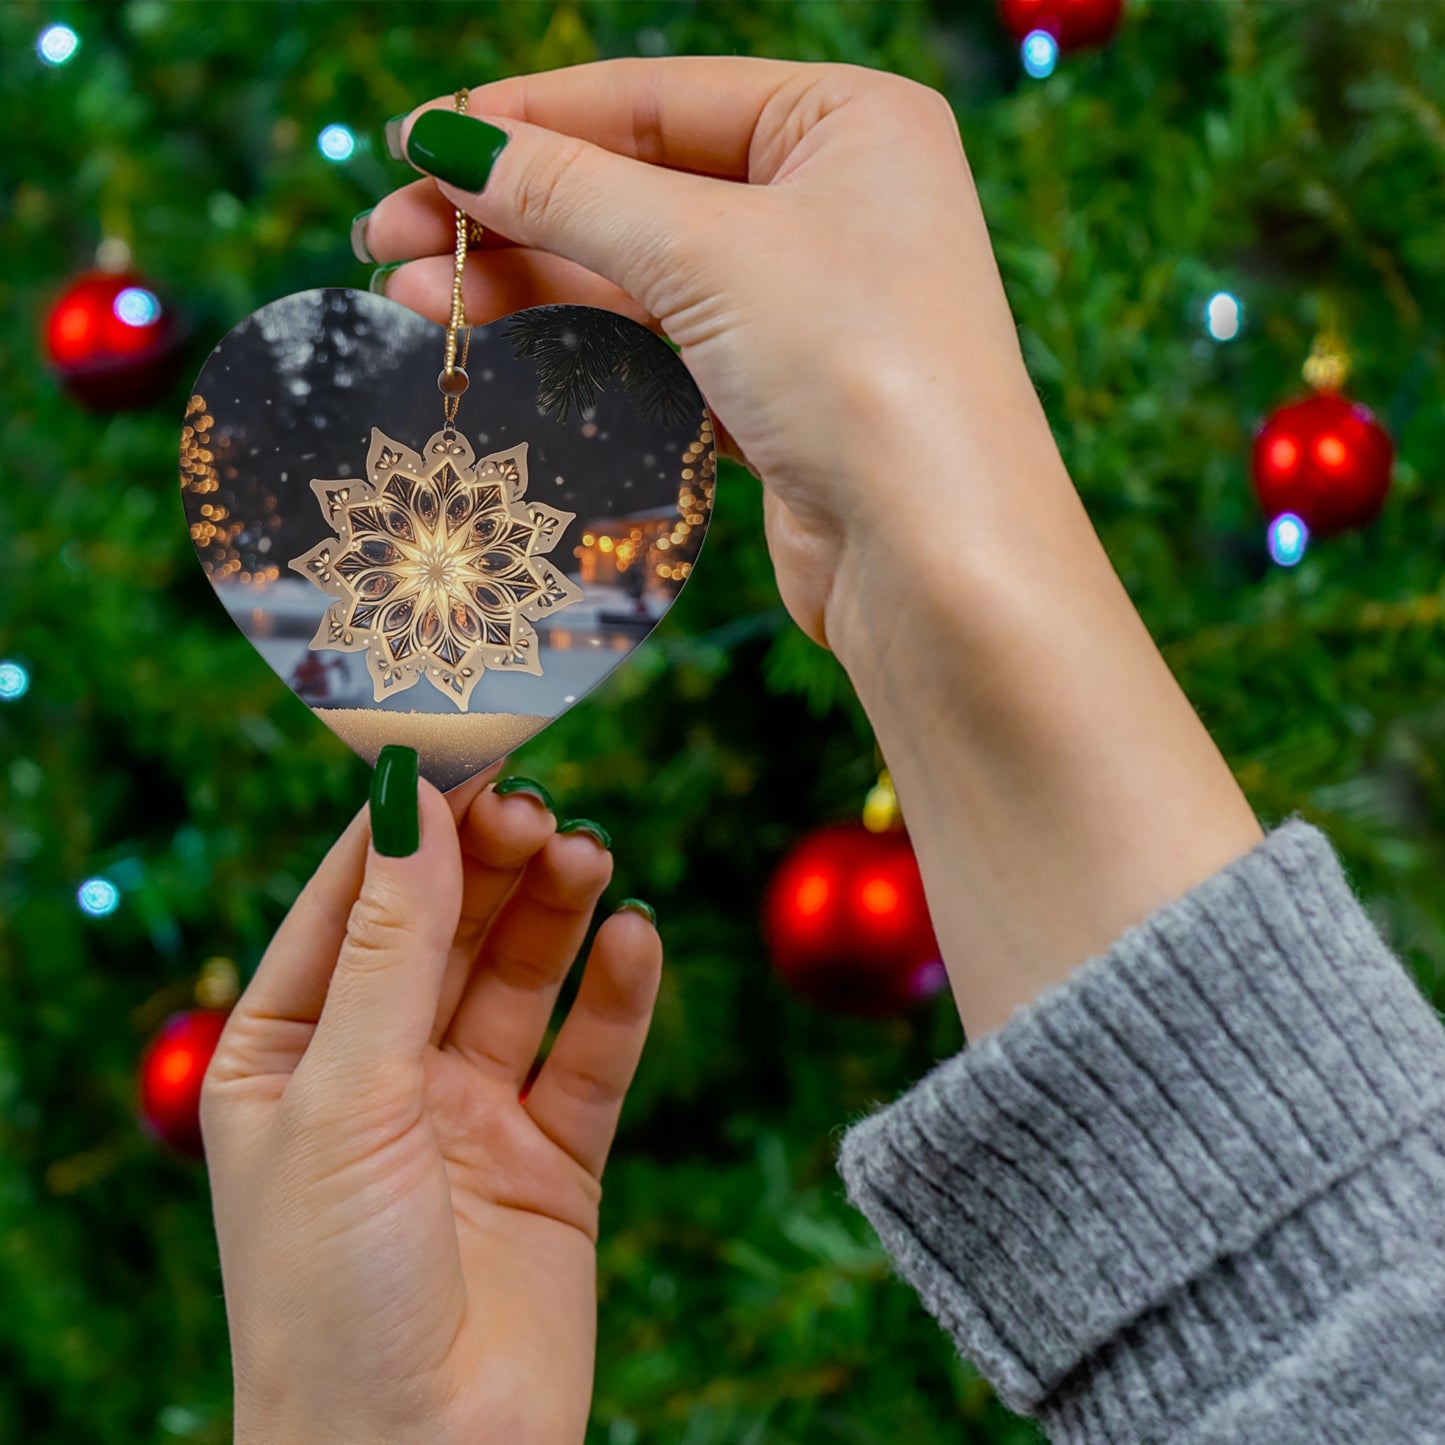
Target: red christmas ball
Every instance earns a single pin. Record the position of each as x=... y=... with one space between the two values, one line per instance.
x=1073 y=23
x=847 y=923
x=111 y=341
x=171 y=1071
x=1324 y=458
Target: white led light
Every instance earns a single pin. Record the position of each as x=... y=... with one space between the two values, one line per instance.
x=57 y=44
x=1288 y=538
x=98 y=897
x=136 y=306
x=336 y=143
x=14 y=681
x=1040 y=54
x=1223 y=316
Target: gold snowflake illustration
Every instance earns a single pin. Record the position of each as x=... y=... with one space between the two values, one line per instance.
x=436 y=568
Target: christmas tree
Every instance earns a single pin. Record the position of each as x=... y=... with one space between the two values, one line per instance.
x=164 y=795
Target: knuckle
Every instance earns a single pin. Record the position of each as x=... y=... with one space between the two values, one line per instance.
x=924 y=102
x=374 y=934
x=542 y=187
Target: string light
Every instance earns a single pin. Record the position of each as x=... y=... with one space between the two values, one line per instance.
x=14 y=681
x=136 y=306
x=98 y=897
x=1040 y=53
x=57 y=44
x=336 y=143
x=1223 y=316
x=1288 y=538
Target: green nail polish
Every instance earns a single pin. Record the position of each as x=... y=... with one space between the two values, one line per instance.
x=359 y=248
x=395 y=826
x=525 y=785
x=636 y=905
x=586 y=825
x=377 y=284
x=392 y=131
x=455 y=148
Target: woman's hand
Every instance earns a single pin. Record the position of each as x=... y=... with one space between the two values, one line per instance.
x=837 y=306
x=408 y=1247
x=811 y=237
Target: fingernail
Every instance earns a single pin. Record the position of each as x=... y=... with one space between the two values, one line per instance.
x=379 y=277
x=393 y=137
x=636 y=905
x=395 y=825
x=525 y=785
x=455 y=148
x=586 y=825
x=359 y=248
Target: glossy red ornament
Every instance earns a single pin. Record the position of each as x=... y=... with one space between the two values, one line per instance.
x=112 y=341
x=1073 y=23
x=847 y=923
x=1326 y=459
x=171 y=1071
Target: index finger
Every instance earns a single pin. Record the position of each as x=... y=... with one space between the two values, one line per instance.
x=696 y=113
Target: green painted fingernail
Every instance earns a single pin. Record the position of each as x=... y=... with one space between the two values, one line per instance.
x=392 y=131
x=395 y=824
x=359 y=248
x=525 y=785
x=636 y=905
x=455 y=148
x=377 y=284
x=586 y=825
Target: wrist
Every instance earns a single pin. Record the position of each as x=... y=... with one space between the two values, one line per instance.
x=1057 y=785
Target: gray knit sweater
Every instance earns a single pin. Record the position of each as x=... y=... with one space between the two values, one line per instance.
x=1196 y=1192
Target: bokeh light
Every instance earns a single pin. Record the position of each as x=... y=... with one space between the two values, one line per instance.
x=98 y=897
x=1288 y=538
x=57 y=44
x=336 y=143
x=136 y=306
x=14 y=681
x=1223 y=316
x=1040 y=53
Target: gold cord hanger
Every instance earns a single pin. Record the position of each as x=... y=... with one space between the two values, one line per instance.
x=452 y=380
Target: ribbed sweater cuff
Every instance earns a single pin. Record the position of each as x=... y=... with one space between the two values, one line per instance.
x=1142 y=1167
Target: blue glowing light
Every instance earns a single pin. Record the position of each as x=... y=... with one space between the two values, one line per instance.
x=14 y=681
x=1040 y=52
x=1223 y=316
x=1288 y=538
x=136 y=306
x=98 y=897
x=57 y=44
x=336 y=143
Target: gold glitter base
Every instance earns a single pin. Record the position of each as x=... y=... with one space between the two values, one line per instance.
x=452 y=746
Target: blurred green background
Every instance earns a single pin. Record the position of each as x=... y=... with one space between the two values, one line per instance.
x=1292 y=154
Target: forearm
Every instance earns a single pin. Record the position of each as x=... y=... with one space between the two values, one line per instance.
x=1057 y=784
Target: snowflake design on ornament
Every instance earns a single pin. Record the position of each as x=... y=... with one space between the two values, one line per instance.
x=436 y=567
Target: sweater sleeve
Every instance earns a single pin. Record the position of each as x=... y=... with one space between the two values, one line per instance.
x=1195 y=1193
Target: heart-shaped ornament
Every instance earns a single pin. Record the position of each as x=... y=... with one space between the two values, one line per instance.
x=453 y=587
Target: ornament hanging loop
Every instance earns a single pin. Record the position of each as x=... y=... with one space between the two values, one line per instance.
x=452 y=380
x=1328 y=365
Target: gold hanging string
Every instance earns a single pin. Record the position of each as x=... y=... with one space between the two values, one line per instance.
x=452 y=381
x=1328 y=366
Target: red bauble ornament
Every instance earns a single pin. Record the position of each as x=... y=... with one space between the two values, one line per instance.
x=171 y=1071
x=1324 y=458
x=1073 y=23
x=111 y=341
x=847 y=923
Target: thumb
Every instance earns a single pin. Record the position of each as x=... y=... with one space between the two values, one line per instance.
x=635 y=224
x=382 y=999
